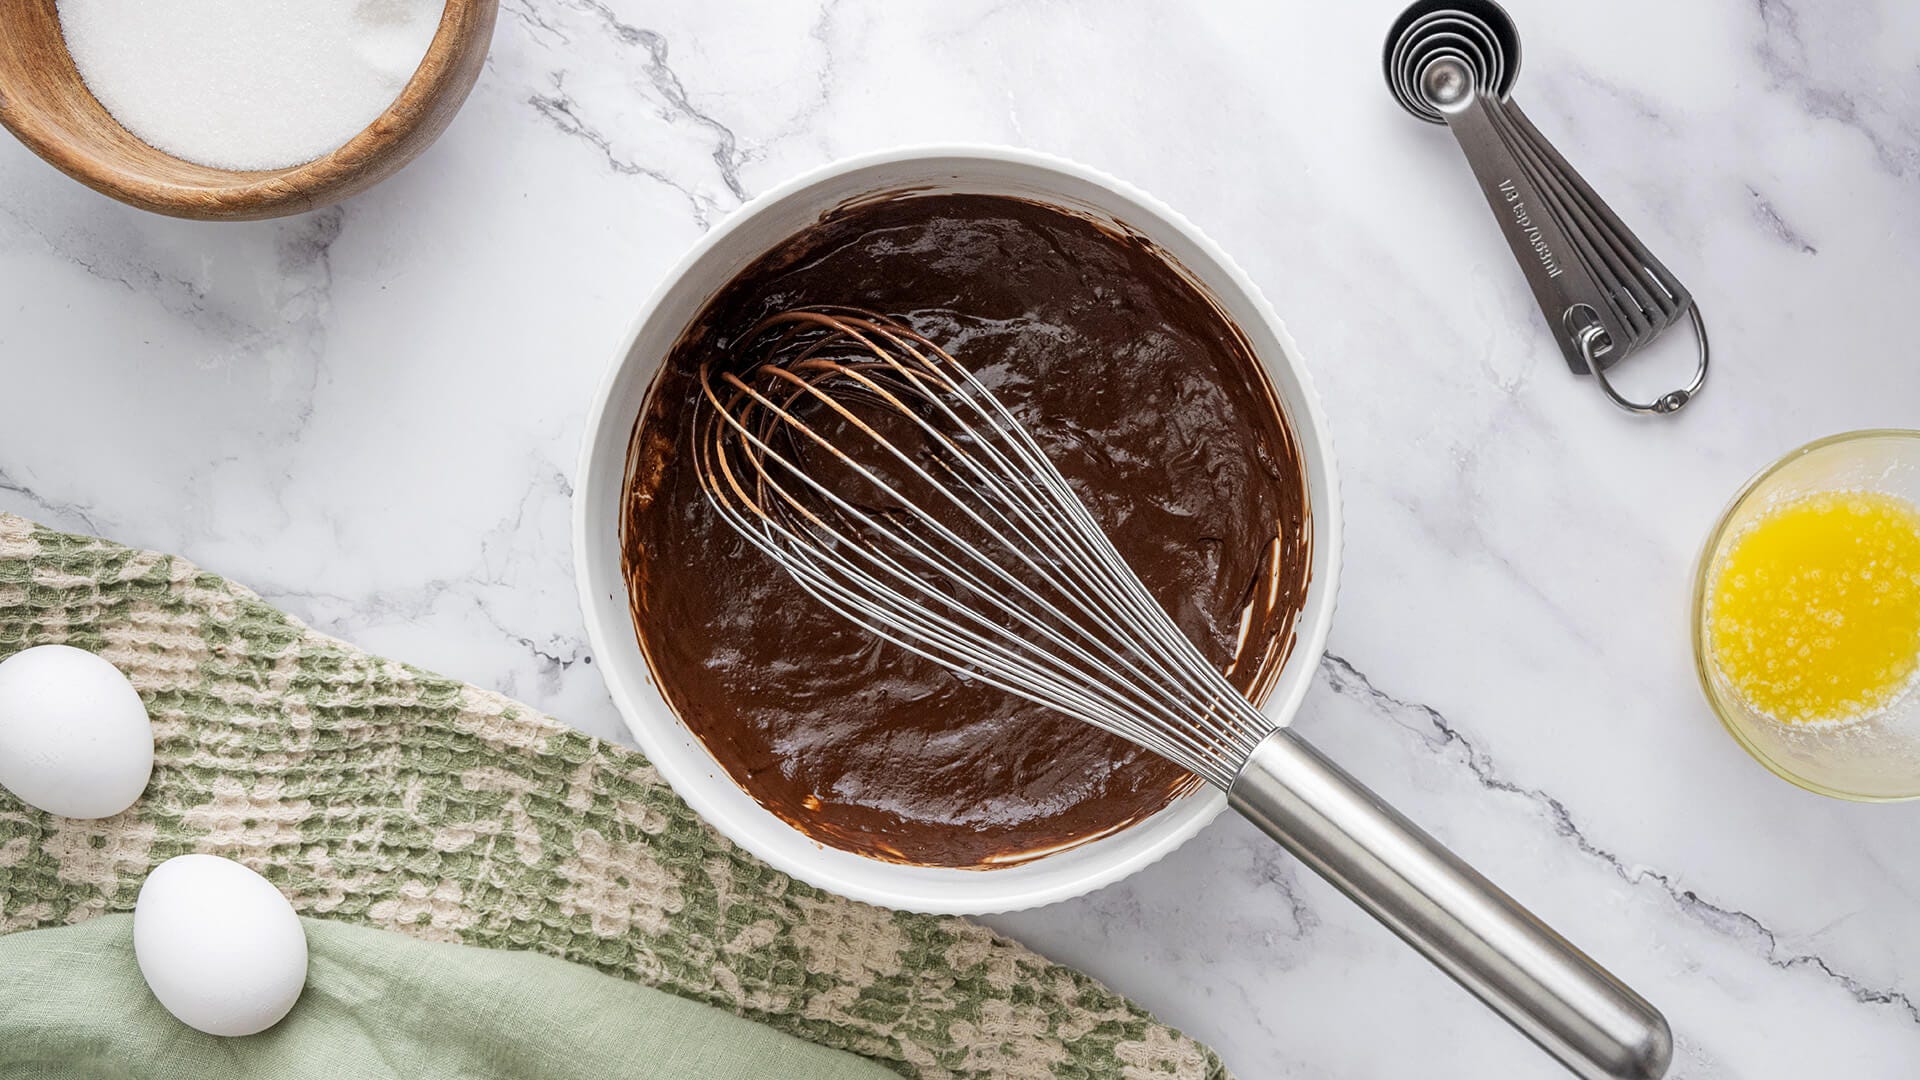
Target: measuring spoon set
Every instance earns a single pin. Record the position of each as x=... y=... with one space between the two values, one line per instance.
x=1604 y=295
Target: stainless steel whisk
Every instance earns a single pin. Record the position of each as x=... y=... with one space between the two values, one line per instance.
x=897 y=490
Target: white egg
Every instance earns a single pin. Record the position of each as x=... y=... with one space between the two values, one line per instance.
x=218 y=945
x=74 y=738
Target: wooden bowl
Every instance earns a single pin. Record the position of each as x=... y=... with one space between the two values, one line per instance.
x=44 y=102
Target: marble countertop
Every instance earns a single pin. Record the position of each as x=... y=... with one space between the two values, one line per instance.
x=371 y=415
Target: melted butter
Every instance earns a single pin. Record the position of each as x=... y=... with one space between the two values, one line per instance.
x=1814 y=611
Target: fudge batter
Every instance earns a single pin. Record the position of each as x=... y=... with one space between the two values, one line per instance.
x=1138 y=388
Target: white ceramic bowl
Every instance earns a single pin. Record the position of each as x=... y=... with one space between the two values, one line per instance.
x=724 y=252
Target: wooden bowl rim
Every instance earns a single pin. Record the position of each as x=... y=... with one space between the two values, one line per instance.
x=466 y=26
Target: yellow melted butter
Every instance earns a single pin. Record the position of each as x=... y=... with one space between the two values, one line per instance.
x=1814 y=612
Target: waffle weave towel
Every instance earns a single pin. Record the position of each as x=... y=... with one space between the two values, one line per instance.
x=374 y=793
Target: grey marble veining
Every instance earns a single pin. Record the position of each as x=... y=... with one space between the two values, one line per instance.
x=371 y=414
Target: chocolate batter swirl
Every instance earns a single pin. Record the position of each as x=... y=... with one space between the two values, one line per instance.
x=1138 y=388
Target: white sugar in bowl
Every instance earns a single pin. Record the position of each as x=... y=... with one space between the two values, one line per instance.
x=218 y=945
x=74 y=738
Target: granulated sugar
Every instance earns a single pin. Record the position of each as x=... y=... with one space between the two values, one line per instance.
x=247 y=84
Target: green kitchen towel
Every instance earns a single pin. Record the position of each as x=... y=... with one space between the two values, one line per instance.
x=374 y=793
x=381 y=1006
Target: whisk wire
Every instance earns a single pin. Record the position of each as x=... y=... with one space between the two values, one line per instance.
x=932 y=557
x=1105 y=567
x=894 y=612
x=1042 y=607
x=875 y=598
x=877 y=608
x=947 y=641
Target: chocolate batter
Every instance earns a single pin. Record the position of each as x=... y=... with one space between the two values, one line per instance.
x=1138 y=388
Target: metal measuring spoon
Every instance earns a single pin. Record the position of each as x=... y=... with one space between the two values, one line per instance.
x=1603 y=294
x=1609 y=257
x=1475 y=75
x=1502 y=54
x=1575 y=302
x=1521 y=133
x=1597 y=249
x=1482 y=51
x=1653 y=270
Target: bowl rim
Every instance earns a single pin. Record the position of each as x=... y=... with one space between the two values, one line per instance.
x=1187 y=815
x=411 y=122
x=1703 y=568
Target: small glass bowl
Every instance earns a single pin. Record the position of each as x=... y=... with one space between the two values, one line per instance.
x=1875 y=758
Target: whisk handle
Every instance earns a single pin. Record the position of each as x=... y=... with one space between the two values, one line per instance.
x=1508 y=958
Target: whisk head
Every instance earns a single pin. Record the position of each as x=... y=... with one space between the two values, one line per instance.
x=897 y=490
